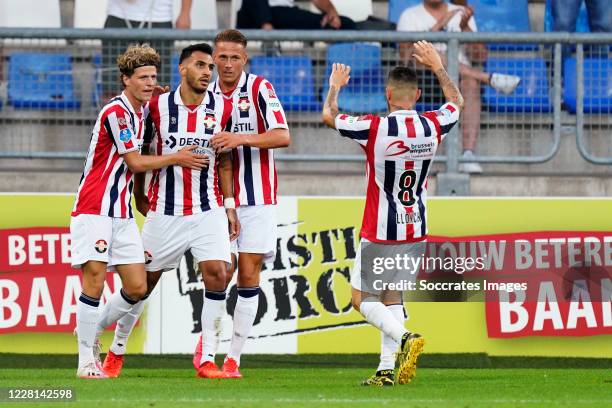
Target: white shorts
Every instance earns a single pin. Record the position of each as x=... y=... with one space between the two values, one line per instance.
x=115 y=241
x=359 y=279
x=257 y=231
x=166 y=238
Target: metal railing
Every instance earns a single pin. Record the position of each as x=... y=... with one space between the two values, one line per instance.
x=507 y=132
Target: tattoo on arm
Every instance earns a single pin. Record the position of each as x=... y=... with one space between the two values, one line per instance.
x=451 y=92
x=332 y=101
x=330 y=109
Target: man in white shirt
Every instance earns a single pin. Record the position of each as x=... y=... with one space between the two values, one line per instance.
x=284 y=14
x=141 y=14
x=438 y=15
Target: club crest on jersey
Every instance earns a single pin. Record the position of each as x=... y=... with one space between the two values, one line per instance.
x=148 y=257
x=209 y=121
x=122 y=122
x=125 y=135
x=244 y=104
x=397 y=148
x=101 y=246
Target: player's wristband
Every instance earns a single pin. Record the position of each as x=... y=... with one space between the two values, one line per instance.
x=229 y=203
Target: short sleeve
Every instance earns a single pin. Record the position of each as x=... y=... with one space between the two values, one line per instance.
x=270 y=107
x=444 y=119
x=354 y=127
x=118 y=126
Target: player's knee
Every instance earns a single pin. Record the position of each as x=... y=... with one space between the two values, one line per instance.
x=136 y=292
x=216 y=273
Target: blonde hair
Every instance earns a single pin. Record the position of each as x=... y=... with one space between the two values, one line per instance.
x=137 y=56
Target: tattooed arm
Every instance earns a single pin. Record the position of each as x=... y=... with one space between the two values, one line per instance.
x=339 y=77
x=451 y=92
x=427 y=55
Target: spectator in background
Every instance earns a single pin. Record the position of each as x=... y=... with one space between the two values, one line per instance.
x=284 y=14
x=437 y=15
x=565 y=15
x=143 y=15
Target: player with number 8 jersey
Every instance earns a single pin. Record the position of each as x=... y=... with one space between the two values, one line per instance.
x=399 y=150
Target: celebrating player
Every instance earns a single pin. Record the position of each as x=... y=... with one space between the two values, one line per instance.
x=104 y=233
x=399 y=149
x=184 y=208
x=259 y=125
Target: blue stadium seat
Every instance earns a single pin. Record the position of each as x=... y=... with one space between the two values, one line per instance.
x=365 y=92
x=506 y=16
x=293 y=80
x=397 y=7
x=41 y=81
x=582 y=25
x=597 y=85
x=532 y=94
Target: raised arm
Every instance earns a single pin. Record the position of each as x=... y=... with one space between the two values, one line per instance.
x=339 y=78
x=426 y=54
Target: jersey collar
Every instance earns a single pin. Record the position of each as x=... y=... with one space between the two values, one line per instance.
x=403 y=112
x=217 y=88
x=128 y=104
x=179 y=101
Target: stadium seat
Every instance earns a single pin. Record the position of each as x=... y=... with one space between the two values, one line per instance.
x=41 y=81
x=293 y=80
x=582 y=25
x=503 y=16
x=597 y=85
x=397 y=7
x=365 y=92
x=532 y=94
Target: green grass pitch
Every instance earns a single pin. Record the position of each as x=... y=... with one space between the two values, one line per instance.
x=301 y=381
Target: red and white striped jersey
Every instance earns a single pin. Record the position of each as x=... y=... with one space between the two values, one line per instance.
x=399 y=149
x=171 y=126
x=256 y=110
x=106 y=184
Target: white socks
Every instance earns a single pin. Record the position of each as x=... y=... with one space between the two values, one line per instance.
x=117 y=306
x=124 y=327
x=382 y=318
x=87 y=319
x=212 y=313
x=388 y=346
x=244 y=317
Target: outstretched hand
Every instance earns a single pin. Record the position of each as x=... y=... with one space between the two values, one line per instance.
x=426 y=54
x=340 y=75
